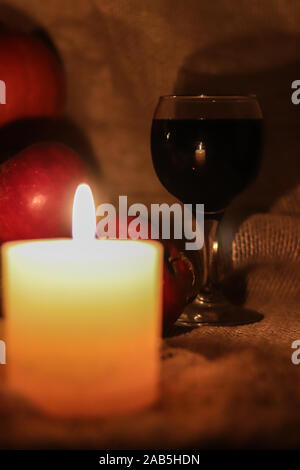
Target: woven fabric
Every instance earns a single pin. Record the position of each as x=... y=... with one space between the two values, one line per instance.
x=267 y=248
x=220 y=387
x=272 y=237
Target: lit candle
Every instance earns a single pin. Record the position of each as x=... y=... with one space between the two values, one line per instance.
x=200 y=154
x=83 y=319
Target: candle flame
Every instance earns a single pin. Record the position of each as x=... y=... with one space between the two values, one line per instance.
x=84 y=214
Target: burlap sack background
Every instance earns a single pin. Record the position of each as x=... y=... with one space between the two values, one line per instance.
x=120 y=55
x=220 y=386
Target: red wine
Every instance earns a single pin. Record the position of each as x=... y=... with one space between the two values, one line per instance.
x=206 y=161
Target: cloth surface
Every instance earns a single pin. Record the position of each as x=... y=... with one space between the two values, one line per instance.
x=235 y=386
x=221 y=387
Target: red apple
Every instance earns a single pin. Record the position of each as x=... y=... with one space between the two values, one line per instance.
x=36 y=192
x=33 y=75
x=178 y=283
x=178 y=277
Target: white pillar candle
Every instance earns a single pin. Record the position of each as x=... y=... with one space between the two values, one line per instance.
x=83 y=320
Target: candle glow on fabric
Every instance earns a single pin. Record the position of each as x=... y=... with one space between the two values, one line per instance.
x=83 y=319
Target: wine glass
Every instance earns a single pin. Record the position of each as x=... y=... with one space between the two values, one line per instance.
x=206 y=150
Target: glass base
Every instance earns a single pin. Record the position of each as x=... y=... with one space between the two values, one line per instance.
x=216 y=311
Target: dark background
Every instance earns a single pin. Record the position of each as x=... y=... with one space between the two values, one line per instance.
x=120 y=55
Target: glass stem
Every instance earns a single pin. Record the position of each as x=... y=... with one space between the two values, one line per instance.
x=208 y=272
x=210 y=253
